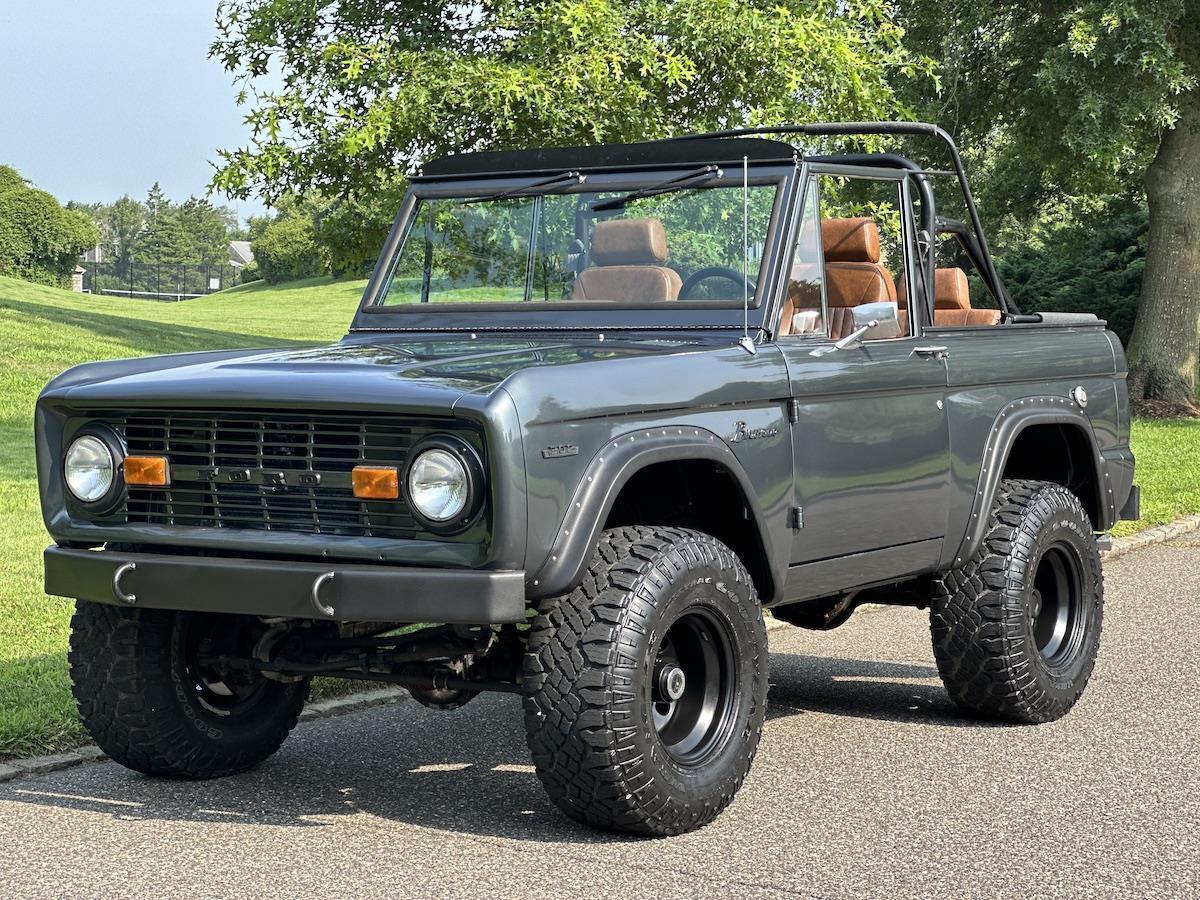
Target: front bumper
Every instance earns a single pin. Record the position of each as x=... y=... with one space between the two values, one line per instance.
x=331 y=591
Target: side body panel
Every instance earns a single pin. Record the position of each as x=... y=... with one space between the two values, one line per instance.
x=1028 y=372
x=577 y=420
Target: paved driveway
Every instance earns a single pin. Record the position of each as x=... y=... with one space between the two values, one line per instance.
x=867 y=784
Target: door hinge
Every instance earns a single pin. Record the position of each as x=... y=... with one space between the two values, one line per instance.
x=793 y=410
x=797 y=517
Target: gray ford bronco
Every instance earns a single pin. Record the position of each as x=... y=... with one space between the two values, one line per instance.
x=599 y=409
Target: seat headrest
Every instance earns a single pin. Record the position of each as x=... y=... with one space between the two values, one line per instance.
x=629 y=242
x=950 y=289
x=850 y=240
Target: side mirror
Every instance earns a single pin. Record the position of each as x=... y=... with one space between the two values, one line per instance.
x=885 y=315
x=882 y=316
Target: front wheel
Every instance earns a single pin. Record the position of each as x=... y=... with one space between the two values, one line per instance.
x=1017 y=628
x=646 y=686
x=153 y=703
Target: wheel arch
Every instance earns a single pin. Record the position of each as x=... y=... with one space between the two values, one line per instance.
x=1042 y=438
x=623 y=463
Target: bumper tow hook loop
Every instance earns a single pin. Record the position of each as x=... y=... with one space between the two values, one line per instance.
x=116 y=583
x=316 y=594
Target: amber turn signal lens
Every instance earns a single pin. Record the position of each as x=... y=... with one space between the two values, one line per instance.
x=149 y=471
x=375 y=482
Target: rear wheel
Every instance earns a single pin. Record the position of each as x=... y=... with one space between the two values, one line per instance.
x=1016 y=630
x=152 y=700
x=647 y=684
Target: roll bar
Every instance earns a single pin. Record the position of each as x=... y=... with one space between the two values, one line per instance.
x=918 y=129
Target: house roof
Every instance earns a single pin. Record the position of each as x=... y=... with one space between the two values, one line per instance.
x=240 y=253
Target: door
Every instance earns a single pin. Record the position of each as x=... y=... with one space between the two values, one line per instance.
x=870 y=440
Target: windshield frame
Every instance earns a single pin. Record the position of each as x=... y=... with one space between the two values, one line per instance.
x=374 y=315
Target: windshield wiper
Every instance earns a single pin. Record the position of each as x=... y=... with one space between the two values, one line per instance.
x=561 y=178
x=663 y=187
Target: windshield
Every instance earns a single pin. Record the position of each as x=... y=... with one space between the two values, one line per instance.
x=680 y=240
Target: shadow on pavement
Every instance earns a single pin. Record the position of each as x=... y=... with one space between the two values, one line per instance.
x=864 y=689
x=465 y=771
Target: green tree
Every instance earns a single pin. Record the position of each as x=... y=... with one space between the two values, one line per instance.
x=165 y=241
x=122 y=223
x=1087 y=98
x=372 y=88
x=39 y=240
x=206 y=228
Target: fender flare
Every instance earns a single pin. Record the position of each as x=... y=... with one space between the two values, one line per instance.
x=1012 y=419
x=609 y=471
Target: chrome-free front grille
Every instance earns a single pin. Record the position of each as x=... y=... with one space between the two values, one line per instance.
x=277 y=471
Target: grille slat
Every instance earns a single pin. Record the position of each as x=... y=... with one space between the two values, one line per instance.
x=199 y=443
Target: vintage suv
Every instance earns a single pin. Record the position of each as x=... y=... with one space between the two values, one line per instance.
x=600 y=407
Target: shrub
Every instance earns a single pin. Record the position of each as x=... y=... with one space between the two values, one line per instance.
x=350 y=232
x=1081 y=264
x=250 y=273
x=285 y=250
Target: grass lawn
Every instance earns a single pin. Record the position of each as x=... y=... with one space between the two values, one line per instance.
x=1168 y=469
x=43 y=331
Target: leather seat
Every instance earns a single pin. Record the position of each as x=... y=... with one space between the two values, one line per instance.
x=626 y=265
x=853 y=274
x=952 y=301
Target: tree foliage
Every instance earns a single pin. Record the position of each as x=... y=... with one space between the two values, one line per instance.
x=371 y=87
x=39 y=239
x=1058 y=98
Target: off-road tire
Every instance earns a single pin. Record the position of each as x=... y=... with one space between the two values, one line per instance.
x=588 y=673
x=137 y=702
x=984 y=618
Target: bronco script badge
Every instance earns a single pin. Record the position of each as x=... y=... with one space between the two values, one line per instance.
x=742 y=433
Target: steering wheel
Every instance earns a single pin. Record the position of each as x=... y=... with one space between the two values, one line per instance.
x=742 y=282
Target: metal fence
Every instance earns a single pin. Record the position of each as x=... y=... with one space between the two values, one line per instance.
x=158 y=281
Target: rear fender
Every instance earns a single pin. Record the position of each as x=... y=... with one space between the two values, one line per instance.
x=1010 y=422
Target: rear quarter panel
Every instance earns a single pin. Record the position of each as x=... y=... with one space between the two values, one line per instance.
x=990 y=368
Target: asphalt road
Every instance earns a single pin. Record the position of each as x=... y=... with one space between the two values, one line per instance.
x=867 y=783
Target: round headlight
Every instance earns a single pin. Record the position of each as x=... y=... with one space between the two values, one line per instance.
x=438 y=485
x=89 y=468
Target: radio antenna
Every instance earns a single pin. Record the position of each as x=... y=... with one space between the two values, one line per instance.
x=746 y=343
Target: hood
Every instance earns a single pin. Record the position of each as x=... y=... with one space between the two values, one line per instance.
x=415 y=375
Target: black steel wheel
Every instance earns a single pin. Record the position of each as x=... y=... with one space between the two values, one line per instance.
x=1016 y=630
x=646 y=686
x=152 y=699
x=692 y=688
x=1058 y=615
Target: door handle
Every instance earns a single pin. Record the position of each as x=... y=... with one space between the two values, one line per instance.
x=934 y=352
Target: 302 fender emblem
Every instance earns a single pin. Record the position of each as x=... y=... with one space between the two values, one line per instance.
x=742 y=433
x=557 y=451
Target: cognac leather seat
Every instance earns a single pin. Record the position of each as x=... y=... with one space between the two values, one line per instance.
x=853 y=274
x=626 y=264
x=952 y=301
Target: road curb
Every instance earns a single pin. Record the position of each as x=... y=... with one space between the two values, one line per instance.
x=339 y=706
x=324 y=709
x=1155 y=535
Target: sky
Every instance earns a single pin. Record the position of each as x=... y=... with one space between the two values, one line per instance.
x=100 y=98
